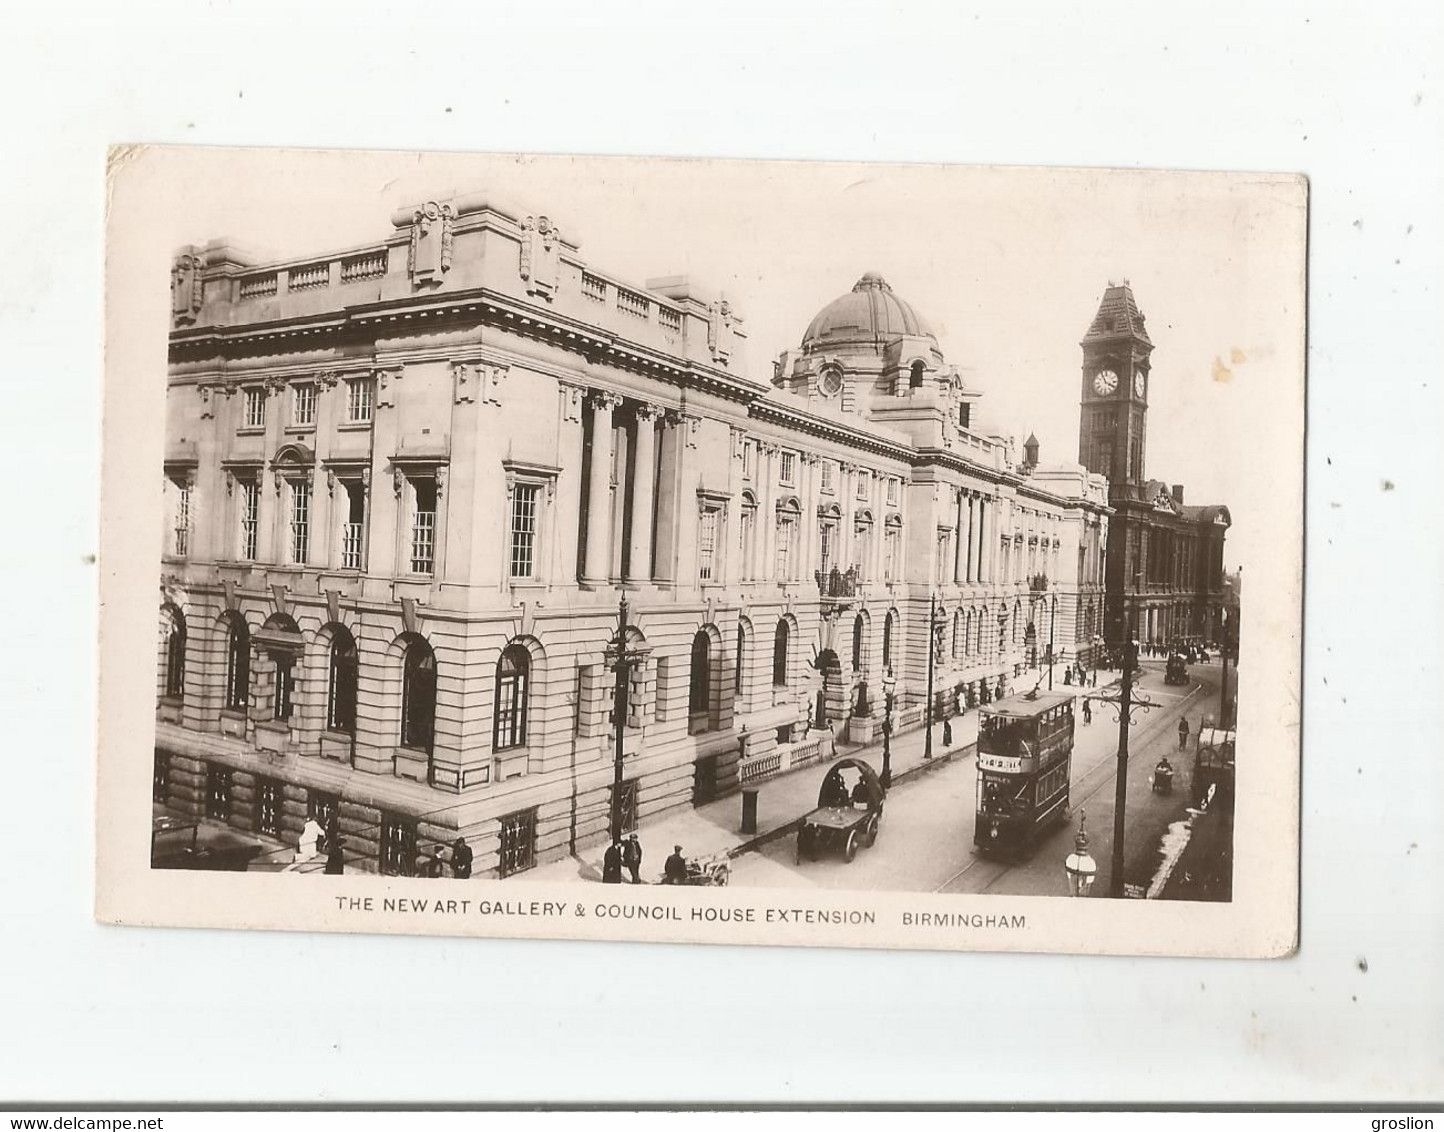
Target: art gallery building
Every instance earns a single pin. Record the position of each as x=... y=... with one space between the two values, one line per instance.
x=408 y=483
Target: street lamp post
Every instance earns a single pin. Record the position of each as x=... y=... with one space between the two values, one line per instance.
x=621 y=659
x=932 y=656
x=1125 y=702
x=888 y=684
x=1079 y=865
x=1052 y=621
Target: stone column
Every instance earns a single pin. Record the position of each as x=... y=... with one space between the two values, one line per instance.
x=973 y=538
x=599 y=488
x=639 y=558
x=985 y=531
x=959 y=540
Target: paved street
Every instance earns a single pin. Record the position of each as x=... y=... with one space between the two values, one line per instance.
x=926 y=839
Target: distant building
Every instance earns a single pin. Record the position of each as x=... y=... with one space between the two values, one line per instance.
x=1165 y=578
x=408 y=483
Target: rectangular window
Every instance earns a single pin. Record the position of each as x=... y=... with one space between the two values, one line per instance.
x=268 y=807
x=398 y=846
x=748 y=525
x=707 y=544
x=965 y=415
x=862 y=482
x=524 y=529
x=786 y=530
x=518 y=843
x=747 y=459
x=894 y=542
x=250 y=517
x=353 y=529
x=303 y=405
x=942 y=556
x=892 y=491
x=285 y=687
x=828 y=470
x=829 y=546
x=358 y=400
x=183 y=520
x=423 y=525
x=218 y=792
x=300 y=521
x=322 y=808
x=255 y=408
x=789 y=467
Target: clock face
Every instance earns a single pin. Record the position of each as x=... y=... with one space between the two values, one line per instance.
x=1106 y=382
x=1138 y=384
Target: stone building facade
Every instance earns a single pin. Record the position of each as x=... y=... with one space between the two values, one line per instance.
x=408 y=483
x=1165 y=578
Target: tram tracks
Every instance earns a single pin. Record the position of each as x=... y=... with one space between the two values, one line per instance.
x=1090 y=782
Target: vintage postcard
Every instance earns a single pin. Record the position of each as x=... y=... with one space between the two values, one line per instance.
x=847 y=555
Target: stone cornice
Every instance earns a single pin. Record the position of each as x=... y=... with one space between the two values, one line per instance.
x=597 y=345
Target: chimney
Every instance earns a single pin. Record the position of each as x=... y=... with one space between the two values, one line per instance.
x=1178 y=494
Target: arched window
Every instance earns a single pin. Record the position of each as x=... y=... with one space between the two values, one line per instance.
x=887 y=641
x=175 y=653
x=779 y=654
x=699 y=697
x=957 y=633
x=238 y=662
x=741 y=654
x=418 y=696
x=916 y=375
x=513 y=688
x=857 y=643
x=341 y=684
x=1017 y=621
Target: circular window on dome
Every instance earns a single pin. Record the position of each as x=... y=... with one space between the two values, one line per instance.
x=829 y=381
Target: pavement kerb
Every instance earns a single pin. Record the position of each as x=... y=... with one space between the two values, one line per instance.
x=790 y=827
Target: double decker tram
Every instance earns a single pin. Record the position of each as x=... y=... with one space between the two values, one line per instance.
x=1025 y=756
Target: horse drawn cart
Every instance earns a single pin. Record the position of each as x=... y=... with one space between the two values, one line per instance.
x=847 y=816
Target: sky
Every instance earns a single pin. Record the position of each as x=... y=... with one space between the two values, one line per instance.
x=1007 y=266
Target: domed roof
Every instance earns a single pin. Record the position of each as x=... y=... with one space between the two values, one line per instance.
x=869 y=315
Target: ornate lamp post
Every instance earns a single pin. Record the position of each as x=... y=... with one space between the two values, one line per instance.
x=1079 y=865
x=1052 y=621
x=934 y=629
x=621 y=660
x=888 y=684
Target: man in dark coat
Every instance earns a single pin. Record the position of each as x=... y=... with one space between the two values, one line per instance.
x=1182 y=731
x=335 y=857
x=675 y=871
x=612 y=864
x=632 y=858
x=434 y=866
x=461 y=859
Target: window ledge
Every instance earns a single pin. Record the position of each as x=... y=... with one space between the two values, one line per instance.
x=251 y=431
x=353 y=426
x=299 y=429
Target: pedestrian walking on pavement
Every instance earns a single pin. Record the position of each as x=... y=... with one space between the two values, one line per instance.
x=1087 y=711
x=632 y=858
x=612 y=864
x=461 y=859
x=1182 y=731
x=335 y=857
x=675 y=870
x=947 y=733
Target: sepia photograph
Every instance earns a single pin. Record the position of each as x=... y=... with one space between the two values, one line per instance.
x=894 y=555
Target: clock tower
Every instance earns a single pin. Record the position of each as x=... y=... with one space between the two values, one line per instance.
x=1112 y=425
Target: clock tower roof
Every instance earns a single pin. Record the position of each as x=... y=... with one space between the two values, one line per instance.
x=1118 y=318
